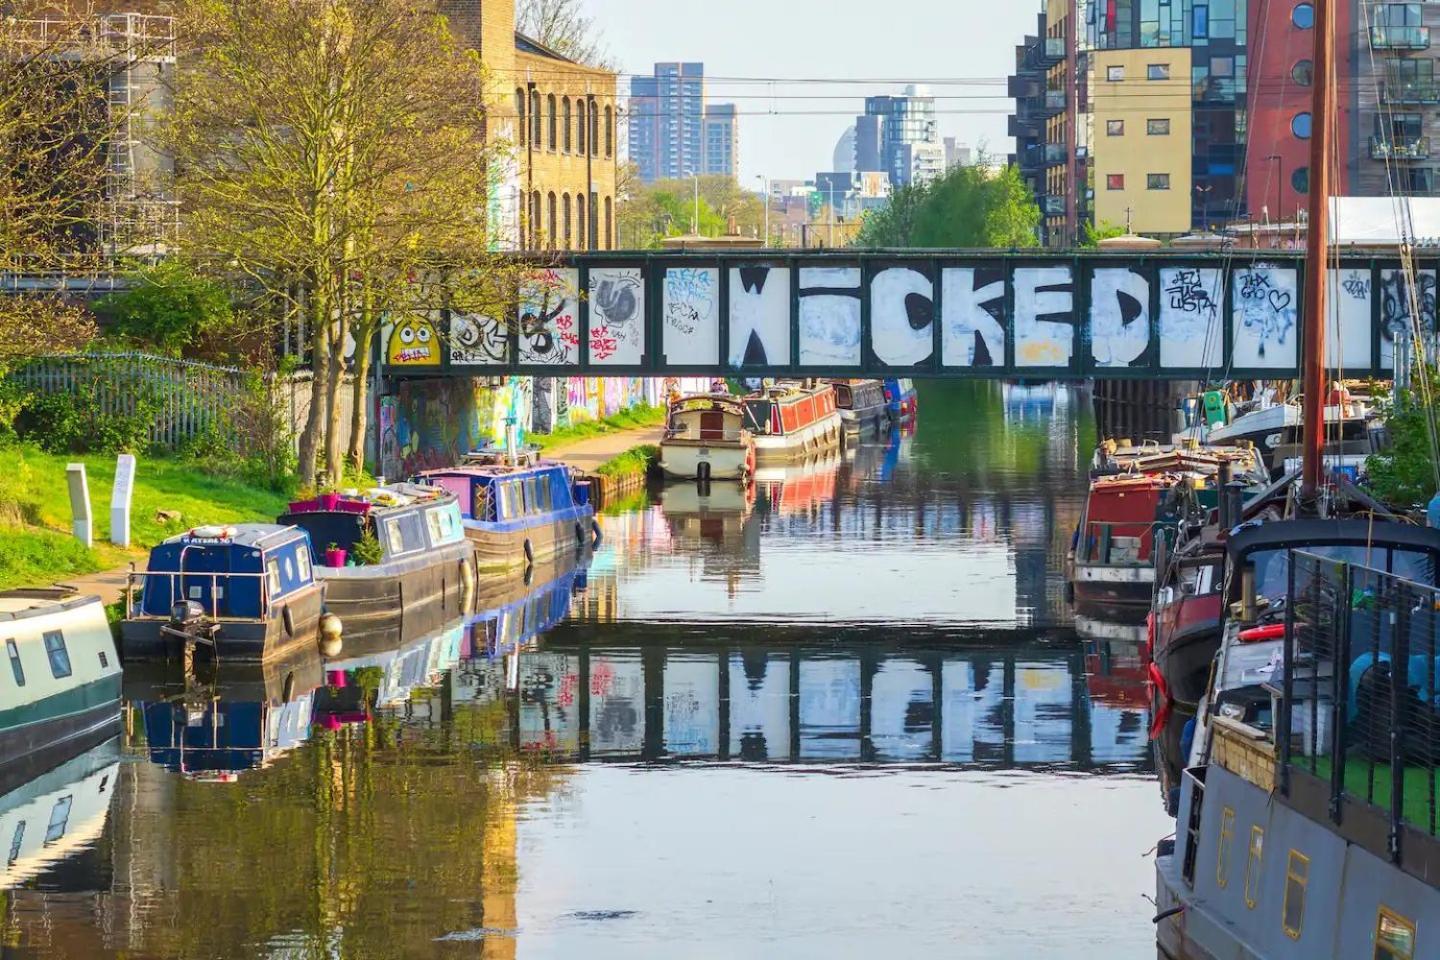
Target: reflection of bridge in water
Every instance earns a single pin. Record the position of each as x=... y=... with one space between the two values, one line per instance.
x=831 y=695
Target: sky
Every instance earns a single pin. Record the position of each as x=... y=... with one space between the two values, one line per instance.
x=902 y=40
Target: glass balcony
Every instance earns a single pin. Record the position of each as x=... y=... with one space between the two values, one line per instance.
x=1054 y=153
x=1400 y=38
x=1054 y=101
x=1412 y=91
x=1409 y=148
x=1053 y=206
x=1054 y=49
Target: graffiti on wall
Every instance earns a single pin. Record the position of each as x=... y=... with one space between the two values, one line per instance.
x=759 y=317
x=1398 y=302
x=550 y=318
x=902 y=315
x=1044 y=317
x=1266 y=317
x=1192 y=320
x=830 y=316
x=1119 y=317
x=478 y=340
x=617 y=316
x=974 y=319
x=1347 y=327
x=411 y=342
x=691 y=314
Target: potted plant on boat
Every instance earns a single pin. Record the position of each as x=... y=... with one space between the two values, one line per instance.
x=328 y=500
x=335 y=555
x=367 y=551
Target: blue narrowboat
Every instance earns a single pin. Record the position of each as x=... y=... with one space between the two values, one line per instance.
x=517 y=515
x=419 y=568
x=901 y=400
x=247 y=592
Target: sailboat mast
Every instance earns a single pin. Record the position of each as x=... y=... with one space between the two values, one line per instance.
x=1317 y=271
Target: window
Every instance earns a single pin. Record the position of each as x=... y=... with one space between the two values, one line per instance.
x=553 y=139
x=394 y=537
x=1157 y=71
x=1252 y=867
x=1115 y=74
x=1115 y=181
x=59 y=819
x=1300 y=180
x=1297 y=878
x=522 y=127
x=272 y=571
x=580 y=124
x=1394 y=937
x=1300 y=126
x=569 y=125
x=1303 y=73
x=1303 y=16
x=1158 y=128
x=59 y=656
x=1419 y=180
x=302 y=563
x=1222 y=856
x=15 y=841
x=1157 y=181
x=537 y=120
x=104 y=661
x=609 y=132
x=435 y=521
x=1114 y=128
x=609 y=240
x=16 y=667
x=569 y=224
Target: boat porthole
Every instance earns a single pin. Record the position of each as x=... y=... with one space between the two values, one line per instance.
x=529 y=551
x=289 y=619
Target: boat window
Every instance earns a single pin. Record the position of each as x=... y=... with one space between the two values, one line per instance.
x=16 y=666
x=289 y=569
x=272 y=570
x=59 y=656
x=435 y=520
x=406 y=533
x=1222 y=857
x=104 y=661
x=1394 y=937
x=59 y=819
x=510 y=500
x=302 y=563
x=1272 y=567
x=1297 y=879
x=1252 y=867
x=393 y=537
x=547 y=498
x=15 y=842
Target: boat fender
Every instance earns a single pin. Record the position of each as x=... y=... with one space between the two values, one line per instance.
x=1162 y=690
x=289 y=619
x=595 y=535
x=529 y=549
x=1167 y=914
x=331 y=635
x=468 y=585
x=579 y=536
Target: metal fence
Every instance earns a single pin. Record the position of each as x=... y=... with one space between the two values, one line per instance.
x=186 y=398
x=1360 y=707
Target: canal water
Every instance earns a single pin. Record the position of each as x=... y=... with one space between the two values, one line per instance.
x=846 y=714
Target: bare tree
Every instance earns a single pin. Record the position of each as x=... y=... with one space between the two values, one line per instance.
x=562 y=26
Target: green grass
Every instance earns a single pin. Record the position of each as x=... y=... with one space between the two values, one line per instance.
x=631 y=419
x=39 y=550
x=1416 y=797
x=638 y=460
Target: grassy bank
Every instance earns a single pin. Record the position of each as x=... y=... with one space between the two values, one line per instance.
x=637 y=461
x=36 y=547
x=631 y=419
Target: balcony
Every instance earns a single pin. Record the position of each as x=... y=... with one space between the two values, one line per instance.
x=1409 y=148
x=1055 y=101
x=1053 y=206
x=1053 y=154
x=1400 y=38
x=1053 y=50
x=1024 y=86
x=1412 y=91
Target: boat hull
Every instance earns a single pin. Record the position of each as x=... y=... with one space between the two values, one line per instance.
x=687 y=460
x=1112 y=592
x=866 y=419
x=502 y=547
x=31 y=733
x=278 y=635
x=401 y=598
x=823 y=434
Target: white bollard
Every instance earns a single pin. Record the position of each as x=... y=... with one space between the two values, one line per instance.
x=82 y=524
x=120 y=499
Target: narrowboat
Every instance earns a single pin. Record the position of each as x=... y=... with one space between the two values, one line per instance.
x=394 y=560
x=901 y=400
x=244 y=592
x=1353 y=430
x=515 y=516
x=705 y=439
x=61 y=676
x=792 y=421
x=57 y=812
x=357 y=686
x=863 y=405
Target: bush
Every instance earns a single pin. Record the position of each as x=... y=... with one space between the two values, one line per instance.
x=61 y=422
x=168 y=308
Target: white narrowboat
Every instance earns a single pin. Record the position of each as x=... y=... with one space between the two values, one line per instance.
x=705 y=439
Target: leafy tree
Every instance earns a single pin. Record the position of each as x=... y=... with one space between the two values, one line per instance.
x=169 y=307
x=1091 y=235
x=666 y=208
x=971 y=206
x=1405 y=474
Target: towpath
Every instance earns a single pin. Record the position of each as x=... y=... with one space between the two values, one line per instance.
x=588 y=455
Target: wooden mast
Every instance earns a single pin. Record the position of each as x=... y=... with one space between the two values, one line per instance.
x=1316 y=262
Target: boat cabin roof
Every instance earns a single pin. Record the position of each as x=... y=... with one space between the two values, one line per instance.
x=491 y=473
x=254 y=536
x=705 y=403
x=1301 y=533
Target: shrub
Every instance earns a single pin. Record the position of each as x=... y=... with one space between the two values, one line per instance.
x=63 y=422
x=168 y=308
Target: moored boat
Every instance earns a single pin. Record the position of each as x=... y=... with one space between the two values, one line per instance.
x=246 y=592
x=792 y=421
x=518 y=515
x=61 y=676
x=863 y=404
x=705 y=439
x=394 y=558
x=900 y=399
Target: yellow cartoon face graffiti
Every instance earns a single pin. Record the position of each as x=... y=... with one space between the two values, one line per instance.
x=413 y=343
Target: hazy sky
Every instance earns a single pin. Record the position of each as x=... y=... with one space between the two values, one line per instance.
x=915 y=40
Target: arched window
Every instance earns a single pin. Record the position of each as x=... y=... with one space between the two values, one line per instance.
x=554 y=141
x=537 y=225
x=609 y=134
x=536 y=120
x=584 y=223
x=550 y=234
x=580 y=128
x=569 y=227
x=565 y=110
x=609 y=219
x=595 y=132
x=521 y=130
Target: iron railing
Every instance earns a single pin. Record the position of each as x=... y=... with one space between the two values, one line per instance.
x=1359 y=706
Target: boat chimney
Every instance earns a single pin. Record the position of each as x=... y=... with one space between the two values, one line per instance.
x=1234 y=497
x=1247 y=593
x=1222 y=490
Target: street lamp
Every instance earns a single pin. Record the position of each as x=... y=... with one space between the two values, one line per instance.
x=1204 y=192
x=766 y=180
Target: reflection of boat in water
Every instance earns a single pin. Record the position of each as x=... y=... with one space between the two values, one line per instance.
x=713 y=512
x=863 y=405
x=1026 y=401
x=799 y=486
x=57 y=814
x=1115 y=671
x=61 y=674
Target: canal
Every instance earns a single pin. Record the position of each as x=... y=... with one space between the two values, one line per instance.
x=848 y=713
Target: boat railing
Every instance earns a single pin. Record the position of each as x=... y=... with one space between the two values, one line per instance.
x=177 y=580
x=1357 y=712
